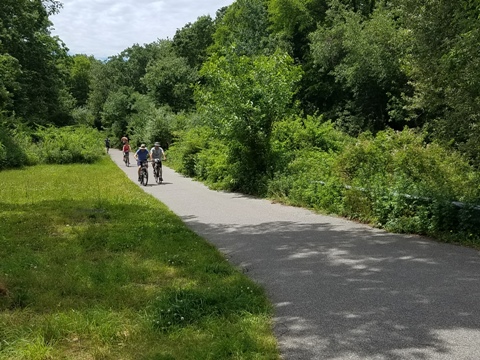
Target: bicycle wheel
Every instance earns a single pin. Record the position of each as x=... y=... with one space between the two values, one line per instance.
x=127 y=161
x=158 y=174
x=144 y=177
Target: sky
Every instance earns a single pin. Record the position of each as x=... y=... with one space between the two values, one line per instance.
x=104 y=28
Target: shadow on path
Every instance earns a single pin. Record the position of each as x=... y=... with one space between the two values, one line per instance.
x=359 y=294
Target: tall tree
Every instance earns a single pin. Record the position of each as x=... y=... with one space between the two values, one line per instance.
x=245 y=28
x=445 y=69
x=39 y=95
x=294 y=20
x=364 y=55
x=170 y=79
x=242 y=98
x=79 y=78
x=192 y=41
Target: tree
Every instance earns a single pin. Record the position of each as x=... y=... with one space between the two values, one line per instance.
x=445 y=71
x=39 y=92
x=192 y=41
x=242 y=98
x=245 y=28
x=9 y=73
x=79 y=78
x=169 y=79
x=364 y=56
x=294 y=20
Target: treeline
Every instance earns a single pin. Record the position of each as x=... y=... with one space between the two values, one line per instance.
x=365 y=108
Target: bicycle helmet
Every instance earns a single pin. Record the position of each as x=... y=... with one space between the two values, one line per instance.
x=157 y=144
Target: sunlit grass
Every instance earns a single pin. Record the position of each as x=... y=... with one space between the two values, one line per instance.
x=93 y=268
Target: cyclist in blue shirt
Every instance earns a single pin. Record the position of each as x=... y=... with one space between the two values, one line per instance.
x=141 y=155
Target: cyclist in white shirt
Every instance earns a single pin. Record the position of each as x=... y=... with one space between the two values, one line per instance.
x=157 y=152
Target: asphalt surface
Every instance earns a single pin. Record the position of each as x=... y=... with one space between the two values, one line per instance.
x=341 y=290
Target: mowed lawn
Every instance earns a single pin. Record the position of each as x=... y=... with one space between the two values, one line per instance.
x=91 y=267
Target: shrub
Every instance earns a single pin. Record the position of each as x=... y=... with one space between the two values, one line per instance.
x=12 y=146
x=401 y=183
x=211 y=165
x=184 y=152
x=308 y=180
x=72 y=144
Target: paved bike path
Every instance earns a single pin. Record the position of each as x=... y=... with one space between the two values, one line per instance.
x=341 y=290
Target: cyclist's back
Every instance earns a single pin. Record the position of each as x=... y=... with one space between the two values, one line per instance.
x=157 y=152
x=157 y=155
x=141 y=156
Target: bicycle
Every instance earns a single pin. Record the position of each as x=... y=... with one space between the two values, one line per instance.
x=143 y=179
x=126 y=158
x=157 y=171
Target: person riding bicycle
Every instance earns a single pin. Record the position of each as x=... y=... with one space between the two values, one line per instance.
x=141 y=155
x=157 y=153
x=107 y=144
x=126 y=150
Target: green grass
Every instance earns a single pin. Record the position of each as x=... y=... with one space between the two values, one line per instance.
x=93 y=268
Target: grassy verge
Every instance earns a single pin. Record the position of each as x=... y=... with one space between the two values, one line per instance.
x=93 y=268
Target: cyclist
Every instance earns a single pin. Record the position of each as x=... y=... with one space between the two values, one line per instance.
x=126 y=150
x=141 y=155
x=107 y=144
x=157 y=153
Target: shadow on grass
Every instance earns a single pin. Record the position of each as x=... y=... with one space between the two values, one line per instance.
x=359 y=293
x=76 y=254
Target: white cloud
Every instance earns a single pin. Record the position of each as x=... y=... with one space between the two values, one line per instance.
x=104 y=28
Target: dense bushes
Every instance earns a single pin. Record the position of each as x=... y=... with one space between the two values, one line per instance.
x=68 y=145
x=405 y=185
x=48 y=145
x=394 y=180
x=12 y=153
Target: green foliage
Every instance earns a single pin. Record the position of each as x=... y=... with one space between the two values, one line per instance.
x=405 y=185
x=364 y=56
x=9 y=73
x=444 y=70
x=101 y=85
x=116 y=109
x=309 y=132
x=394 y=180
x=294 y=20
x=212 y=166
x=192 y=41
x=30 y=60
x=199 y=153
x=170 y=79
x=242 y=98
x=243 y=29
x=309 y=180
x=183 y=155
x=68 y=145
x=79 y=78
x=11 y=153
x=149 y=124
